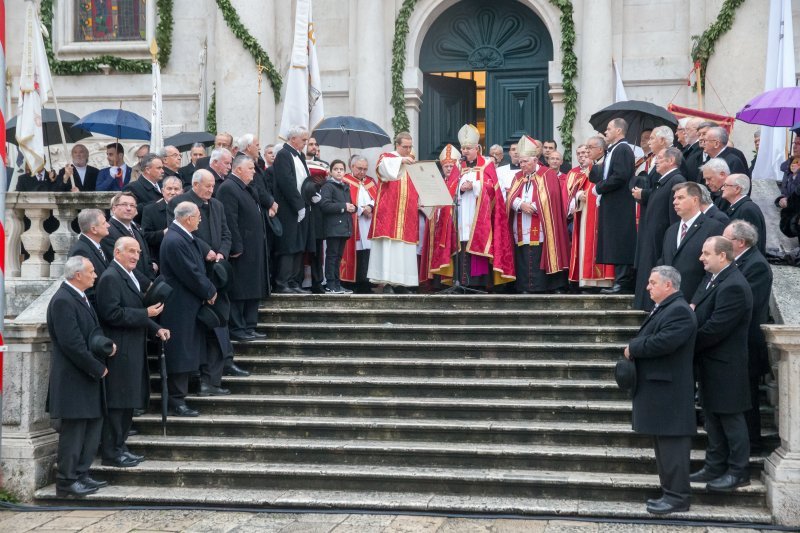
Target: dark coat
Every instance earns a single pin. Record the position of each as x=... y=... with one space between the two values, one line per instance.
x=182 y=267
x=144 y=267
x=616 y=240
x=335 y=196
x=295 y=235
x=213 y=230
x=736 y=163
x=75 y=373
x=657 y=215
x=186 y=173
x=124 y=319
x=84 y=247
x=89 y=182
x=29 y=183
x=106 y=182
x=248 y=238
x=714 y=213
x=686 y=259
x=747 y=209
x=693 y=157
x=663 y=351
x=155 y=220
x=316 y=222
x=757 y=272
x=723 y=318
x=145 y=193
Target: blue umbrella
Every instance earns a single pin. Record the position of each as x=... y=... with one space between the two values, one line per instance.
x=350 y=132
x=116 y=123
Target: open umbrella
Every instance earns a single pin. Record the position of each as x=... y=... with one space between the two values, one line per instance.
x=117 y=123
x=639 y=115
x=777 y=108
x=350 y=132
x=50 y=128
x=184 y=140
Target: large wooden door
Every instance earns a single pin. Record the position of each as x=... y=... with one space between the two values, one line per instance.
x=447 y=104
x=517 y=103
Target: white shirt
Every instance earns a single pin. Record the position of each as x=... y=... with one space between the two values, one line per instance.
x=130 y=274
x=527 y=220
x=688 y=226
x=186 y=231
x=127 y=226
x=299 y=172
x=76 y=289
x=468 y=204
x=364 y=200
x=96 y=245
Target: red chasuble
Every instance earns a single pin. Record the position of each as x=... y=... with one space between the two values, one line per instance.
x=550 y=216
x=489 y=236
x=572 y=184
x=395 y=215
x=347 y=269
x=582 y=266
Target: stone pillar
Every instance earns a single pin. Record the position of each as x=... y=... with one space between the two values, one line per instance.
x=371 y=77
x=62 y=238
x=595 y=71
x=15 y=225
x=782 y=468
x=36 y=241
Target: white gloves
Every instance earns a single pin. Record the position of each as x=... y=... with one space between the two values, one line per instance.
x=316 y=198
x=301 y=214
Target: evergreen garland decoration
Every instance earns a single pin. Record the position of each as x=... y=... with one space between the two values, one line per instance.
x=93 y=66
x=400 y=119
x=704 y=45
x=251 y=45
x=211 y=114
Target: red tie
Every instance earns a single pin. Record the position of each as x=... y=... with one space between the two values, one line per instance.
x=118 y=177
x=684 y=229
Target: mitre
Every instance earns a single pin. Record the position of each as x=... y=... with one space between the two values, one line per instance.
x=469 y=135
x=449 y=154
x=526 y=147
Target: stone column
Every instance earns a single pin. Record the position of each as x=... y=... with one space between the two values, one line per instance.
x=15 y=225
x=595 y=70
x=782 y=468
x=371 y=63
x=36 y=241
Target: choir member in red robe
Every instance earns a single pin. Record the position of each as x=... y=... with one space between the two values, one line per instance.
x=363 y=191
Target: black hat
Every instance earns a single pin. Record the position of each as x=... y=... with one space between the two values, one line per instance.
x=99 y=344
x=208 y=317
x=276 y=226
x=221 y=274
x=625 y=374
x=157 y=293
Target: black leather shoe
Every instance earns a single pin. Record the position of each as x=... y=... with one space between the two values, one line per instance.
x=703 y=475
x=234 y=370
x=616 y=289
x=257 y=335
x=300 y=290
x=76 y=489
x=663 y=507
x=388 y=289
x=137 y=458
x=317 y=289
x=727 y=483
x=93 y=483
x=210 y=390
x=183 y=410
x=132 y=432
x=120 y=461
x=138 y=412
x=242 y=338
x=282 y=290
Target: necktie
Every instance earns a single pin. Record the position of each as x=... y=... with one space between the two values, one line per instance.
x=118 y=177
x=684 y=229
x=157 y=188
x=86 y=301
x=654 y=310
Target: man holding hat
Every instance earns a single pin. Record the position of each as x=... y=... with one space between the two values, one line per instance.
x=663 y=399
x=76 y=374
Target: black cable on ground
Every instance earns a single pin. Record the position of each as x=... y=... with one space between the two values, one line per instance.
x=481 y=516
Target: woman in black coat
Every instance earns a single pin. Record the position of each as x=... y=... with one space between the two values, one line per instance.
x=338 y=223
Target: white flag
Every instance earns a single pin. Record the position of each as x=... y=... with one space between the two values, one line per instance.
x=619 y=90
x=780 y=73
x=156 y=123
x=34 y=86
x=302 y=104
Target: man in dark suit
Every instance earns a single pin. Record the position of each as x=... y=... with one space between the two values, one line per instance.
x=183 y=269
x=692 y=151
x=248 y=249
x=657 y=215
x=683 y=241
x=220 y=166
x=42 y=181
x=663 y=401
x=75 y=380
x=171 y=158
x=117 y=175
x=290 y=173
x=742 y=207
x=716 y=145
x=709 y=209
x=723 y=305
x=222 y=141
x=714 y=173
x=616 y=241
x=198 y=151
x=757 y=272
x=79 y=170
x=128 y=323
x=156 y=217
x=94 y=228
x=147 y=188
x=123 y=209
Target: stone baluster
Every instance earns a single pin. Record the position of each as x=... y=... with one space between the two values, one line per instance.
x=63 y=237
x=15 y=225
x=36 y=243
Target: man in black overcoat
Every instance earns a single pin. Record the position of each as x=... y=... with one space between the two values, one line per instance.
x=76 y=392
x=220 y=166
x=663 y=401
x=94 y=228
x=683 y=241
x=715 y=171
x=248 y=256
x=657 y=215
x=757 y=272
x=715 y=144
x=616 y=241
x=128 y=323
x=290 y=171
x=709 y=209
x=742 y=207
x=156 y=217
x=692 y=151
x=723 y=305
x=182 y=267
x=147 y=188
x=123 y=209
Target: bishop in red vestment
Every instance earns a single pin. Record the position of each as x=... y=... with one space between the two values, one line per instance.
x=355 y=259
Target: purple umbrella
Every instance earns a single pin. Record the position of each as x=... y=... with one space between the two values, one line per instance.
x=778 y=108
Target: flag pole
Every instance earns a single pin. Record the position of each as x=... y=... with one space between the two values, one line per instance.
x=258 y=103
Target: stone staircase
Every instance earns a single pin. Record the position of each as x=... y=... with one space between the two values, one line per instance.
x=474 y=404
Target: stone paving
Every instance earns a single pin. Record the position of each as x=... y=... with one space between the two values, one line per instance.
x=111 y=521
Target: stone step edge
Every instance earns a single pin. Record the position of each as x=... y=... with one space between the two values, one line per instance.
x=494 y=328
x=393 y=502
x=427 y=345
x=349 y=311
x=591 y=364
x=400 y=381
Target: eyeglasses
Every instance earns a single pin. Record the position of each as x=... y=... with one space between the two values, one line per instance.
x=724 y=185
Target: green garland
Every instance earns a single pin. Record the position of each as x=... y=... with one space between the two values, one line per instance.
x=211 y=114
x=704 y=45
x=251 y=45
x=93 y=66
x=569 y=70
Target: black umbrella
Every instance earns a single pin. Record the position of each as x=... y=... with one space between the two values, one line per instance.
x=350 y=132
x=162 y=361
x=184 y=140
x=50 y=130
x=639 y=115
